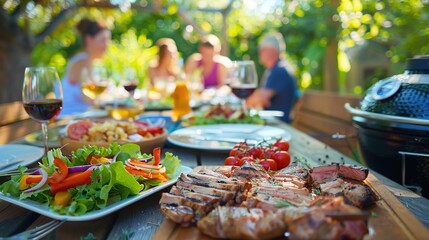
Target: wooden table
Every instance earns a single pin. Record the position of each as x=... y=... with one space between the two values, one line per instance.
x=142 y=219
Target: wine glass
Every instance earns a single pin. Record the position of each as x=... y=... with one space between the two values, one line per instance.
x=42 y=96
x=93 y=83
x=244 y=81
x=129 y=81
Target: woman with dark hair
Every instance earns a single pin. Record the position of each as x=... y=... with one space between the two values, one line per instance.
x=95 y=38
x=212 y=65
x=165 y=66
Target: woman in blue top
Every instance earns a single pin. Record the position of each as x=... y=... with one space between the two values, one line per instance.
x=95 y=38
x=279 y=90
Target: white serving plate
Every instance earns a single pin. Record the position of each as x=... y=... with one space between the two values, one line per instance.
x=222 y=137
x=44 y=210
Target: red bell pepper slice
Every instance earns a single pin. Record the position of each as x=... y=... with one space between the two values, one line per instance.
x=33 y=179
x=75 y=180
x=61 y=173
x=157 y=156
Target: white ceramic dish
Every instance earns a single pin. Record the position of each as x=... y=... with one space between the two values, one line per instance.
x=12 y=155
x=222 y=137
x=44 y=210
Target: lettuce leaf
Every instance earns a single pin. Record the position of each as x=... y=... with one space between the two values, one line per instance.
x=124 y=178
x=172 y=165
x=80 y=155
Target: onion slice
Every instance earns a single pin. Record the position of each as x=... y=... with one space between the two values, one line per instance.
x=114 y=157
x=41 y=183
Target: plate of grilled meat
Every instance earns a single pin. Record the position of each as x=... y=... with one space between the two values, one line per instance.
x=333 y=201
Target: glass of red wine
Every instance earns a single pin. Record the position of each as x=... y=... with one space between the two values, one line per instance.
x=42 y=96
x=244 y=80
x=130 y=81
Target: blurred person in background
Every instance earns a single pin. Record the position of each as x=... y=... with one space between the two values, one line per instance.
x=95 y=38
x=278 y=89
x=166 y=65
x=212 y=65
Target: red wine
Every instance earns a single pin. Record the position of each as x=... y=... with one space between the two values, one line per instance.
x=43 y=110
x=243 y=92
x=130 y=87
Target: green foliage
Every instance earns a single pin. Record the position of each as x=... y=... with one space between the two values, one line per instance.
x=308 y=27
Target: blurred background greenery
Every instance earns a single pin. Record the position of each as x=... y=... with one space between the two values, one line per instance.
x=336 y=45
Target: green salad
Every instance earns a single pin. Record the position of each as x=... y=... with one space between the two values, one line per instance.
x=93 y=178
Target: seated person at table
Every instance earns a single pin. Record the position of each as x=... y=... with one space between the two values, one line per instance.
x=165 y=66
x=212 y=65
x=279 y=90
x=95 y=38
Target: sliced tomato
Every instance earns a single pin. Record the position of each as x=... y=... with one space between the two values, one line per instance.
x=77 y=129
x=157 y=156
x=61 y=173
x=77 y=179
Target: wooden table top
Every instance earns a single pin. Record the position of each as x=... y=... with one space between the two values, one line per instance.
x=142 y=219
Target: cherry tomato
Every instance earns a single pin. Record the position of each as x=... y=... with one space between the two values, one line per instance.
x=237 y=152
x=268 y=164
x=282 y=159
x=233 y=161
x=266 y=153
x=248 y=159
x=255 y=152
x=282 y=144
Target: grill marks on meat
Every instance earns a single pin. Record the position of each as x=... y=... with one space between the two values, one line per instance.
x=301 y=223
x=249 y=171
x=199 y=193
x=355 y=193
x=246 y=202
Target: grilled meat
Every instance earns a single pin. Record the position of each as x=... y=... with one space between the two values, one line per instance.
x=249 y=171
x=200 y=208
x=218 y=184
x=225 y=195
x=355 y=193
x=212 y=200
x=247 y=203
x=359 y=195
x=331 y=172
x=354 y=172
x=179 y=214
x=230 y=222
x=325 y=173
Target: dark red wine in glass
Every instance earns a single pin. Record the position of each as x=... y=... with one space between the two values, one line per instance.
x=243 y=92
x=42 y=96
x=130 y=87
x=43 y=110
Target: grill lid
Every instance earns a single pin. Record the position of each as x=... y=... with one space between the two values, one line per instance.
x=405 y=95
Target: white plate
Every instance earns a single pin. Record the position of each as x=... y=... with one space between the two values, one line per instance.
x=44 y=210
x=223 y=137
x=12 y=155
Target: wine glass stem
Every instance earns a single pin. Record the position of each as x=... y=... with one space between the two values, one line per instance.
x=243 y=105
x=45 y=135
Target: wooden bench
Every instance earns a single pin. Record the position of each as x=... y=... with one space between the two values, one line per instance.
x=15 y=122
x=322 y=114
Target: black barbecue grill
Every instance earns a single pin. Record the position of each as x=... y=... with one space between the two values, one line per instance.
x=393 y=125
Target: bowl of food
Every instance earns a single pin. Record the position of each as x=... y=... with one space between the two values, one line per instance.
x=101 y=133
x=221 y=114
